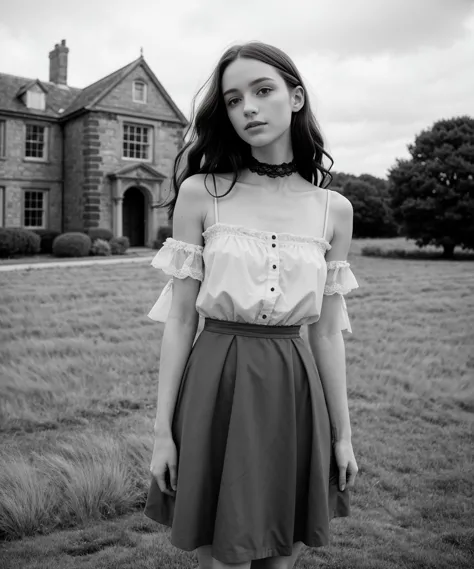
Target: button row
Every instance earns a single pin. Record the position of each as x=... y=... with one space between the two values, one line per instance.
x=264 y=316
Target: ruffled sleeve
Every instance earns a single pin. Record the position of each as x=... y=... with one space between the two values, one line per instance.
x=340 y=280
x=179 y=260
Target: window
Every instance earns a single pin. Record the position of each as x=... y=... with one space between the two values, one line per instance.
x=139 y=92
x=136 y=142
x=35 y=100
x=2 y=139
x=35 y=142
x=34 y=209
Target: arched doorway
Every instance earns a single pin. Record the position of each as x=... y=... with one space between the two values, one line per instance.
x=133 y=211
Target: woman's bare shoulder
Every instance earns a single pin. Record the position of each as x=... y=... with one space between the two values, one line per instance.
x=340 y=205
x=204 y=184
x=193 y=190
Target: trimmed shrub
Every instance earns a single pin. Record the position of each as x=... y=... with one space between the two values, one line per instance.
x=101 y=247
x=162 y=235
x=47 y=237
x=119 y=245
x=18 y=241
x=99 y=233
x=73 y=244
x=418 y=253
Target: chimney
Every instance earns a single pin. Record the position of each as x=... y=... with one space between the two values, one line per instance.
x=58 y=63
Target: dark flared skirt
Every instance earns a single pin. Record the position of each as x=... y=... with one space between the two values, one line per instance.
x=256 y=467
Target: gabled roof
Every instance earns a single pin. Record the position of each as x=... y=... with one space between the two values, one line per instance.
x=92 y=95
x=142 y=171
x=58 y=96
x=63 y=101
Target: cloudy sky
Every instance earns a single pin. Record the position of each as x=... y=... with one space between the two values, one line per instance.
x=377 y=71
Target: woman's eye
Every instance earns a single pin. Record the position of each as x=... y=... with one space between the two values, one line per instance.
x=232 y=102
x=266 y=89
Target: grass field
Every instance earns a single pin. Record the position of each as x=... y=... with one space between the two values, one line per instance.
x=78 y=370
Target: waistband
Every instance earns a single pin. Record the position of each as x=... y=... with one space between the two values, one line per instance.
x=250 y=330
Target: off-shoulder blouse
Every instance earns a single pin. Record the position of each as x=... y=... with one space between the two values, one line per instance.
x=258 y=277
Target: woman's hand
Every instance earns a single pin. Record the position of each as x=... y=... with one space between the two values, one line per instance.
x=346 y=463
x=164 y=464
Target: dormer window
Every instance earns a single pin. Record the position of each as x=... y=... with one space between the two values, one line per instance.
x=35 y=100
x=139 y=92
x=33 y=95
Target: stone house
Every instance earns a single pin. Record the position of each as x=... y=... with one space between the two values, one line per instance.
x=73 y=159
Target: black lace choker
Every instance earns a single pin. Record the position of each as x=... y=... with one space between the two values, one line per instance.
x=272 y=170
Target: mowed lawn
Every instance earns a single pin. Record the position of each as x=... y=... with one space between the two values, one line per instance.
x=78 y=368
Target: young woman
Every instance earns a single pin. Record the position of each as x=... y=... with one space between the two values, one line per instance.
x=253 y=453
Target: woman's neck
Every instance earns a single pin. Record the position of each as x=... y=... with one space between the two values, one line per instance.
x=279 y=152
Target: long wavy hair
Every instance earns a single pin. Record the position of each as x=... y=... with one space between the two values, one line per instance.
x=214 y=147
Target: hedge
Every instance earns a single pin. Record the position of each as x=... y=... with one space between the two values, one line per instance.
x=101 y=248
x=119 y=245
x=72 y=244
x=99 y=233
x=18 y=241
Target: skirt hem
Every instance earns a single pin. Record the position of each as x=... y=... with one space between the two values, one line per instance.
x=251 y=555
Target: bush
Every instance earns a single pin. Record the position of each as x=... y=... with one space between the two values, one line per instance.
x=100 y=233
x=101 y=247
x=119 y=245
x=47 y=237
x=73 y=244
x=374 y=251
x=18 y=241
x=163 y=234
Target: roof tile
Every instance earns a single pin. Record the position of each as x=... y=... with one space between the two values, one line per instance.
x=58 y=96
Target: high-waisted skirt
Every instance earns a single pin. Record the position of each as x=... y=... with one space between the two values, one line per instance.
x=256 y=466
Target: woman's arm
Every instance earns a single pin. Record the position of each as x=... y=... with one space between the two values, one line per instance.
x=330 y=357
x=181 y=324
x=327 y=345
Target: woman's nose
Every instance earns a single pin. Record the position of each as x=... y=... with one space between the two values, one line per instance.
x=250 y=108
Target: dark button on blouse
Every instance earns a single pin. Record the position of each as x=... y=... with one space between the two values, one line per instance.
x=273 y=245
x=272 y=289
x=274 y=266
x=274 y=237
x=264 y=316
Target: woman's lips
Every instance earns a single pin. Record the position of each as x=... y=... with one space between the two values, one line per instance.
x=253 y=126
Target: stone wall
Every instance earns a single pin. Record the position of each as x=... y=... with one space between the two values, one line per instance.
x=93 y=150
x=121 y=98
x=110 y=151
x=93 y=172
x=109 y=129
x=18 y=173
x=73 y=175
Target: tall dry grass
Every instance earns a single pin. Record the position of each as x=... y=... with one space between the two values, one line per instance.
x=87 y=476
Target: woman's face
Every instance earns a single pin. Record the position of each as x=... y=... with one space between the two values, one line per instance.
x=255 y=92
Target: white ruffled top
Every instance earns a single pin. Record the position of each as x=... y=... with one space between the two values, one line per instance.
x=258 y=277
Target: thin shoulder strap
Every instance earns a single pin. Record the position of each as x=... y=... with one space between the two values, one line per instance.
x=326 y=214
x=216 y=215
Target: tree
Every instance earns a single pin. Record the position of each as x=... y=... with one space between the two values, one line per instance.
x=433 y=191
x=371 y=203
x=371 y=212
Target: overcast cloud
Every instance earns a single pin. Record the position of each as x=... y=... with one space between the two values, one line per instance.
x=377 y=71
